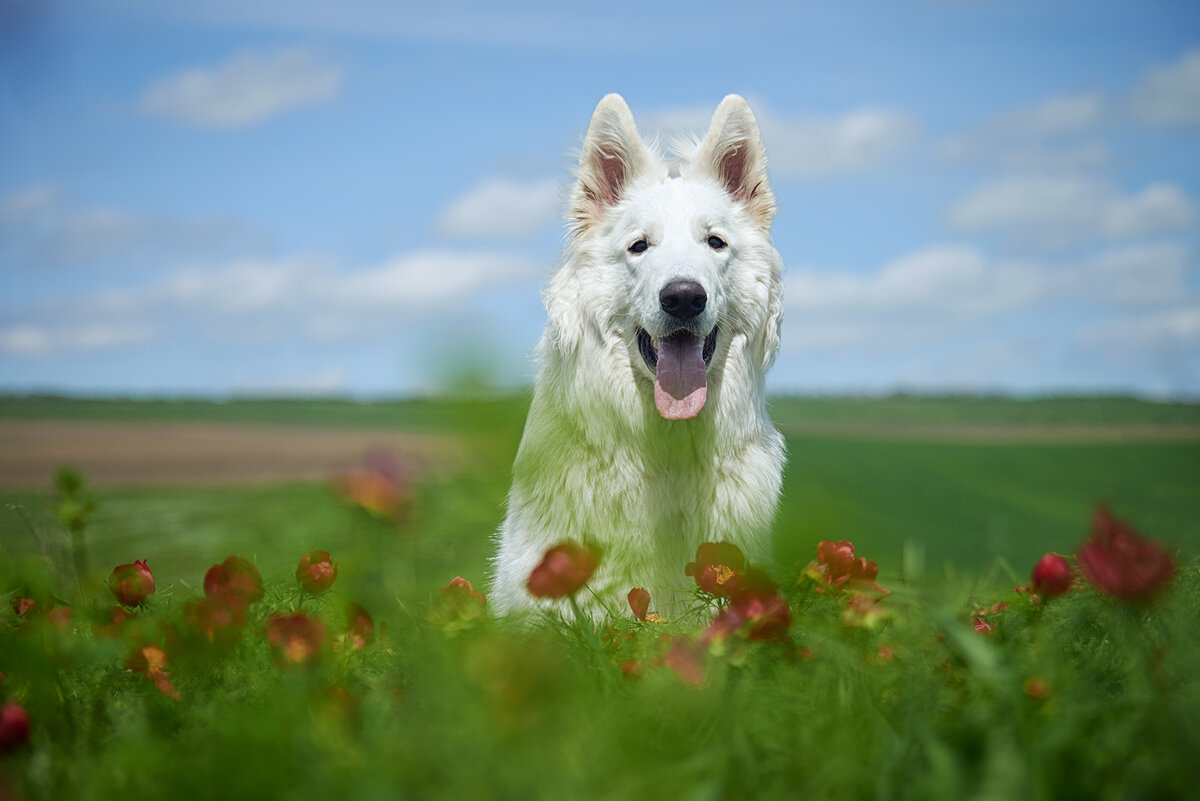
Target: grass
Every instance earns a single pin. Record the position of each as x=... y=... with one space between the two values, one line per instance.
x=1081 y=697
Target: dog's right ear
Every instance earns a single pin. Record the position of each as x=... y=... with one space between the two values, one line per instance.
x=613 y=154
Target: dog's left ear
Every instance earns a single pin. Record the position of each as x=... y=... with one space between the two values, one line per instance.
x=733 y=153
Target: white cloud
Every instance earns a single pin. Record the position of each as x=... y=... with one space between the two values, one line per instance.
x=242 y=287
x=1170 y=95
x=1064 y=114
x=941 y=293
x=1169 y=327
x=1130 y=276
x=430 y=280
x=855 y=142
x=1161 y=346
x=808 y=145
x=322 y=381
x=23 y=204
x=1055 y=211
x=46 y=230
x=246 y=89
x=42 y=339
x=317 y=298
x=919 y=297
x=264 y=300
x=502 y=208
x=1054 y=135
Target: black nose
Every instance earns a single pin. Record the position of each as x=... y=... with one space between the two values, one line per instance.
x=683 y=300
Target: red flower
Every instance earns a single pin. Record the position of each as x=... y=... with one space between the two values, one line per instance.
x=380 y=485
x=1118 y=561
x=837 y=567
x=459 y=603
x=639 y=602
x=131 y=584
x=152 y=661
x=360 y=628
x=864 y=612
x=982 y=626
x=1052 y=575
x=23 y=607
x=220 y=618
x=686 y=658
x=14 y=727
x=316 y=572
x=716 y=563
x=116 y=619
x=234 y=577
x=229 y=589
x=295 y=639
x=754 y=606
x=563 y=571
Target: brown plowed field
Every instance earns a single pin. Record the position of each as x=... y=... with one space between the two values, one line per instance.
x=209 y=454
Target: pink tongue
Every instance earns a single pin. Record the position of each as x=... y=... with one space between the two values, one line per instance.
x=680 y=386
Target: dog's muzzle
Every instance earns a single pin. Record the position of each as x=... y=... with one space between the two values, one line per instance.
x=680 y=358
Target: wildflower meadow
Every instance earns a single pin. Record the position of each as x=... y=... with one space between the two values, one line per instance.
x=333 y=640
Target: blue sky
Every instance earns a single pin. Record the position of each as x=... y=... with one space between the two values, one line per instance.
x=364 y=197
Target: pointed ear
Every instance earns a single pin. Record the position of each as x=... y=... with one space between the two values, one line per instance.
x=733 y=153
x=613 y=155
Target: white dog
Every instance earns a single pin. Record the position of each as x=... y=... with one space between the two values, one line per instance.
x=648 y=433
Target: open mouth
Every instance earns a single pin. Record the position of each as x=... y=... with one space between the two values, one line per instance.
x=650 y=352
x=679 y=361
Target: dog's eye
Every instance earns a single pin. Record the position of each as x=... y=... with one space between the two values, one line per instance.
x=716 y=243
x=639 y=246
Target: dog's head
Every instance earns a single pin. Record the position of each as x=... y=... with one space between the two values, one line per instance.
x=673 y=260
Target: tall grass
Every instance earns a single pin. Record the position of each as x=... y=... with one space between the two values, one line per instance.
x=953 y=686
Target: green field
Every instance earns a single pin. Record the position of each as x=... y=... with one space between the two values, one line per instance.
x=875 y=476
x=954 y=497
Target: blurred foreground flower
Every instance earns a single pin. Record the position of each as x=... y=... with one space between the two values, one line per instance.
x=360 y=627
x=14 y=727
x=316 y=572
x=716 y=563
x=381 y=485
x=113 y=622
x=1052 y=575
x=295 y=639
x=24 y=607
x=151 y=661
x=864 y=612
x=836 y=567
x=563 y=571
x=229 y=589
x=131 y=584
x=234 y=577
x=685 y=658
x=1120 y=562
x=459 y=604
x=220 y=618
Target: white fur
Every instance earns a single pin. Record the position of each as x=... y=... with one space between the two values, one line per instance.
x=597 y=463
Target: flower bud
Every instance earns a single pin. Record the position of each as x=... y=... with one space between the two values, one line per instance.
x=563 y=571
x=131 y=584
x=14 y=727
x=295 y=639
x=316 y=572
x=235 y=577
x=1052 y=575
